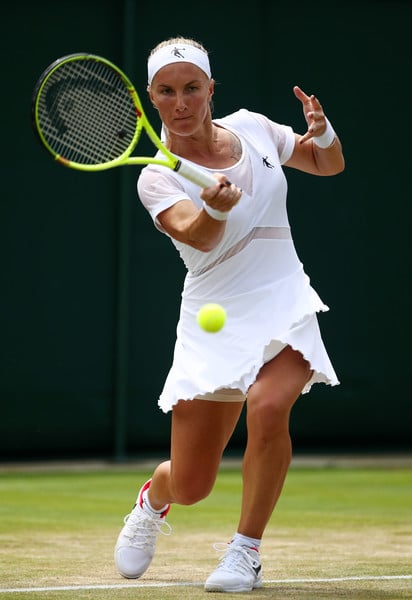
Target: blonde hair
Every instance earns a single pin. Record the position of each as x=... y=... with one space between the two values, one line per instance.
x=178 y=40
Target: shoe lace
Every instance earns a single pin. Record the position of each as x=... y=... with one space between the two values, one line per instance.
x=236 y=558
x=142 y=529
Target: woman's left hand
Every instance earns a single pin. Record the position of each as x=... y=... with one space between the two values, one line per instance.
x=313 y=112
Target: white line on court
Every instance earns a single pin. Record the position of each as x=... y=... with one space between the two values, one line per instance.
x=119 y=586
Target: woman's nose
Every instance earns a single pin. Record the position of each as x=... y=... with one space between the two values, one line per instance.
x=180 y=103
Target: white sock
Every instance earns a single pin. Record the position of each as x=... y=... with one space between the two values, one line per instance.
x=147 y=507
x=244 y=540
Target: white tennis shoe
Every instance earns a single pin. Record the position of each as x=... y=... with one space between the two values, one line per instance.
x=136 y=543
x=239 y=570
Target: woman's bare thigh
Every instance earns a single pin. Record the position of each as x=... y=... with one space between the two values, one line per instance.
x=200 y=433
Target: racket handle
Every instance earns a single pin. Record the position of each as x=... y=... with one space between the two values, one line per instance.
x=201 y=178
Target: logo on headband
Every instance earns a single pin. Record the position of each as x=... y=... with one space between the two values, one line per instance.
x=177 y=52
x=172 y=53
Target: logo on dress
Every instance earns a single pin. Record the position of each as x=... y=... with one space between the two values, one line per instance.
x=267 y=163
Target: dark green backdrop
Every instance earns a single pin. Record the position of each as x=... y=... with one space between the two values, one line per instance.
x=90 y=290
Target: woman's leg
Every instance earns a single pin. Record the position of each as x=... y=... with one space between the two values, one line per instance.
x=268 y=451
x=200 y=432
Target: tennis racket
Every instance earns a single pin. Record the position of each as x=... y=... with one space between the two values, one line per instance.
x=87 y=114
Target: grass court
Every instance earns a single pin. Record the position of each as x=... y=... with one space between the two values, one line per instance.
x=339 y=531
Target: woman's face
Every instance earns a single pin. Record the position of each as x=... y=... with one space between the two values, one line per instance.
x=182 y=92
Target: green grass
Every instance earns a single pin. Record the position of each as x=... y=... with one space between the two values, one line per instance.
x=58 y=528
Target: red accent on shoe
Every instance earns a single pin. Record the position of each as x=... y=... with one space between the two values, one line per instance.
x=143 y=489
x=140 y=499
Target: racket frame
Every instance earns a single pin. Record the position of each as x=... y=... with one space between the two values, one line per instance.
x=174 y=162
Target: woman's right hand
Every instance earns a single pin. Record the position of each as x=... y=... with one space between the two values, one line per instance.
x=223 y=196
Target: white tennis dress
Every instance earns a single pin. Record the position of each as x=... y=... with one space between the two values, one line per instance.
x=254 y=272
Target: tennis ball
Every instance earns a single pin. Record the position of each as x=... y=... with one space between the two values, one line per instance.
x=211 y=317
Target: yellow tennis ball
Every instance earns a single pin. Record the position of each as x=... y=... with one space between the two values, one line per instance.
x=211 y=317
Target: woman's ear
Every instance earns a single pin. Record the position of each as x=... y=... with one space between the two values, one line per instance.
x=211 y=88
x=149 y=91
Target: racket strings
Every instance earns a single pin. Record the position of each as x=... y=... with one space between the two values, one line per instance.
x=86 y=113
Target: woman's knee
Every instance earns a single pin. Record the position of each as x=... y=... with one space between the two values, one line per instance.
x=267 y=419
x=192 y=488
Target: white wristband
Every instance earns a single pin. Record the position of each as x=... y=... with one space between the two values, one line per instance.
x=219 y=215
x=326 y=139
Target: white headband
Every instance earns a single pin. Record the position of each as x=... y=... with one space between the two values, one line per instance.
x=177 y=53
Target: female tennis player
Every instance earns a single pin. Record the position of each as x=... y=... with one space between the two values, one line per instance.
x=236 y=243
